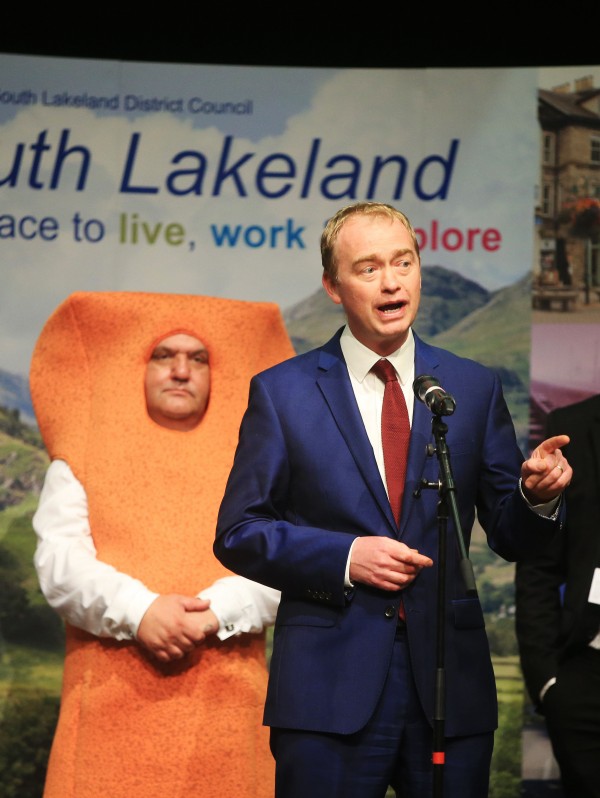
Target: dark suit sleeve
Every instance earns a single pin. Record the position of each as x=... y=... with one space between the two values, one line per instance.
x=538 y=617
x=538 y=581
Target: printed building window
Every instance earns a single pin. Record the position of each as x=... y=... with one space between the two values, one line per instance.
x=548 y=148
x=547 y=206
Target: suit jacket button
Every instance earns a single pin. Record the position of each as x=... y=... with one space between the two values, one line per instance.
x=390 y=612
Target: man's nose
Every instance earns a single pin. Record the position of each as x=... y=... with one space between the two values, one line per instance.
x=390 y=279
x=181 y=366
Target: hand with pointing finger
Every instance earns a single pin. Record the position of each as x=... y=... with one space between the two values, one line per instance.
x=547 y=472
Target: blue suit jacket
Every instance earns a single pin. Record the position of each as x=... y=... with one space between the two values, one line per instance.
x=305 y=483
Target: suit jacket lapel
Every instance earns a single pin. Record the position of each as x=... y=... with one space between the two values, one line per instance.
x=420 y=433
x=334 y=383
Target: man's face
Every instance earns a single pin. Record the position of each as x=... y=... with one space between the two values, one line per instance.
x=378 y=281
x=178 y=382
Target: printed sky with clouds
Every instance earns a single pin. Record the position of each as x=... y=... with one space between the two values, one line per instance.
x=363 y=113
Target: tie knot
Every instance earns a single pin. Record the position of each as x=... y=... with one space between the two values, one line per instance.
x=384 y=370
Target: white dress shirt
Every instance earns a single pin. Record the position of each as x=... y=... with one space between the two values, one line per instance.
x=95 y=596
x=369 y=388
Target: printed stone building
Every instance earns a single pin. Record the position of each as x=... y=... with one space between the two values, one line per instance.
x=567 y=268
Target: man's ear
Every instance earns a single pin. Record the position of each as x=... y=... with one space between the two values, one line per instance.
x=331 y=287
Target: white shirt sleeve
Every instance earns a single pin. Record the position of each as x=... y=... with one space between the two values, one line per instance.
x=84 y=591
x=94 y=596
x=548 y=509
x=241 y=605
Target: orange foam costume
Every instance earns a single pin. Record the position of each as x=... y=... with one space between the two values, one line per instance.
x=129 y=726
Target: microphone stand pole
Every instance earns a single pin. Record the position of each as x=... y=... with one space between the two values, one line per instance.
x=446 y=505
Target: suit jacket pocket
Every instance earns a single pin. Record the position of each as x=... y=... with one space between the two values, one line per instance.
x=306 y=613
x=467 y=614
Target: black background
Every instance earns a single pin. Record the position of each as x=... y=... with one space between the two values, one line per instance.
x=396 y=42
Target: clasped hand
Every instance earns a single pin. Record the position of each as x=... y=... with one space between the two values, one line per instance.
x=173 y=625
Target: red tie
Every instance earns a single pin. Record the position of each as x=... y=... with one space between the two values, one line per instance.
x=395 y=434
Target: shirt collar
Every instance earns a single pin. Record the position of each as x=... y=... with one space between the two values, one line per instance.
x=360 y=359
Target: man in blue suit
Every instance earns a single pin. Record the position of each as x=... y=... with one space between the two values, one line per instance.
x=352 y=685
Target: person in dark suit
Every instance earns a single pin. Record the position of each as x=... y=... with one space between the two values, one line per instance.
x=557 y=596
x=351 y=692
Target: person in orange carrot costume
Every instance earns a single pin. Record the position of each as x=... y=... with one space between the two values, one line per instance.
x=138 y=398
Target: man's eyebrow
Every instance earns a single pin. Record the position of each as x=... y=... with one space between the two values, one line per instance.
x=167 y=350
x=375 y=257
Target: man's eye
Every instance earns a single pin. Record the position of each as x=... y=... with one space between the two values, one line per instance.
x=162 y=358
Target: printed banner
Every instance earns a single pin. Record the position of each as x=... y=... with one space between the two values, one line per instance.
x=218 y=179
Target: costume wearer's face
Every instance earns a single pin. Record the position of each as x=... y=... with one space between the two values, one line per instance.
x=378 y=281
x=177 y=382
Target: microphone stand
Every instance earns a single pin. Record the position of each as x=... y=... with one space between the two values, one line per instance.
x=447 y=504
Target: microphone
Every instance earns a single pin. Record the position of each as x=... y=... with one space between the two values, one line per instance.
x=429 y=391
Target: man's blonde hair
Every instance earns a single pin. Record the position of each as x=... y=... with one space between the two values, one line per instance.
x=337 y=221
